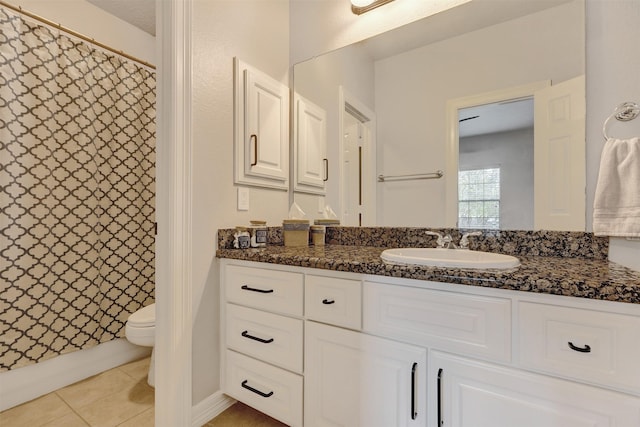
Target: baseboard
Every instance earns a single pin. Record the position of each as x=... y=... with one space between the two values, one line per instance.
x=27 y=383
x=209 y=408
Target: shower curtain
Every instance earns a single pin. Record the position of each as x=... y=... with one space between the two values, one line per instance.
x=77 y=192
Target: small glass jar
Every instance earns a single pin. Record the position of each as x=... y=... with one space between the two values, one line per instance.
x=242 y=238
x=318 y=235
x=258 y=231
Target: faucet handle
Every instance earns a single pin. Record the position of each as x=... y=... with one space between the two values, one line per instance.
x=464 y=241
x=440 y=242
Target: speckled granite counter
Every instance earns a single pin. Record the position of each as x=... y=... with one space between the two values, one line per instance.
x=577 y=272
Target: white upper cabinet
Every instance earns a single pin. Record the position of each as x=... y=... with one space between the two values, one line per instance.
x=311 y=167
x=261 y=128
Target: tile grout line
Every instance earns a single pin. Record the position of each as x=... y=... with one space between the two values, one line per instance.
x=70 y=407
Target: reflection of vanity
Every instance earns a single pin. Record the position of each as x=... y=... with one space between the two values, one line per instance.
x=333 y=336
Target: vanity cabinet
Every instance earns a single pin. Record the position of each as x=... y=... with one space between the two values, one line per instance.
x=369 y=350
x=262 y=336
x=354 y=379
x=471 y=393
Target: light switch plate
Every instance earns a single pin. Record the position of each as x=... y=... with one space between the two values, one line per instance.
x=243 y=199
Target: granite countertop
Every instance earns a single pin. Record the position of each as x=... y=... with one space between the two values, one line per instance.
x=569 y=276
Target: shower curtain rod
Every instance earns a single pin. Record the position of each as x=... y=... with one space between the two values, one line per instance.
x=20 y=10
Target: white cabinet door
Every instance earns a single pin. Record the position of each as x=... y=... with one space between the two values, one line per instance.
x=261 y=128
x=310 y=144
x=467 y=393
x=352 y=379
x=559 y=156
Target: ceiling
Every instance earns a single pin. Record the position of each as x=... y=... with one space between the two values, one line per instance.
x=497 y=117
x=139 y=13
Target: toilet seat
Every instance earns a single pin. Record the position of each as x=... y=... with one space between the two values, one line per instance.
x=141 y=326
x=143 y=318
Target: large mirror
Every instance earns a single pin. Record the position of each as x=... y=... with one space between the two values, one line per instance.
x=396 y=130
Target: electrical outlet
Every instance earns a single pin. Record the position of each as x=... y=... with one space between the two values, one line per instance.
x=243 y=199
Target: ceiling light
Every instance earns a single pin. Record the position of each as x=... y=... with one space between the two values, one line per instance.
x=361 y=6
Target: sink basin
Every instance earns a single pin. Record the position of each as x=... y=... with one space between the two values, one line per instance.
x=456 y=258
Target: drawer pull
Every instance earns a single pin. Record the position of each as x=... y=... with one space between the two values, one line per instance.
x=256 y=391
x=414 y=380
x=328 y=301
x=246 y=335
x=262 y=291
x=440 y=422
x=585 y=349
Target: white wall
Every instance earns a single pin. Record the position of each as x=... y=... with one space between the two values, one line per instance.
x=513 y=152
x=257 y=32
x=88 y=20
x=613 y=61
x=412 y=90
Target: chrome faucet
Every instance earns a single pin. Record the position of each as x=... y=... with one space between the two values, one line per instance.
x=464 y=242
x=444 y=242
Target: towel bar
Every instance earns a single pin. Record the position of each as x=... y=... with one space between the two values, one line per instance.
x=624 y=112
x=432 y=175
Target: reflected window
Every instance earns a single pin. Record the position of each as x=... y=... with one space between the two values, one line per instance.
x=479 y=198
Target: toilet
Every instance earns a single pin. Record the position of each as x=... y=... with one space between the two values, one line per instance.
x=141 y=330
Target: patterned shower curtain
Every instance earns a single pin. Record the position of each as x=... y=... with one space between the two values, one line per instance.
x=77 y=192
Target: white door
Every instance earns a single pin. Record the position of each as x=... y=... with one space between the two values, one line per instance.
x=352 y=380
x=351 y=171
x=310 y=134
x=468 y=393
x=559 y=157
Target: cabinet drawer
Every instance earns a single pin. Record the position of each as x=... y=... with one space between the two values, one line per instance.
x=271 y=390
x=460 y=323
x=271 y=290
x=334 y=301
x=270 y=337
x=587 y=345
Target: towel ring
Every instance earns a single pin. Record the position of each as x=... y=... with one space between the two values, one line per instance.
x=624 y=112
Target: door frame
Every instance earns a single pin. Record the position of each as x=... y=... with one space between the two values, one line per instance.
x=369 y=158
x=453 y=140
x=174 y=313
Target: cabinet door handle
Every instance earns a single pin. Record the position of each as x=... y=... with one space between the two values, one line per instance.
x=328 y=301
x=585 y=349
x=440 y=422
x=254 y=138
x=414 y=381
x=256 y=391
x=262 y=291
x=251 y=337
x=326 y=169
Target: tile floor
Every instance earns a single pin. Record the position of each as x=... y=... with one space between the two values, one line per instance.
x=118 y=397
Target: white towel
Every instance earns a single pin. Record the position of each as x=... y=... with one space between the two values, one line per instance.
x=616 y=209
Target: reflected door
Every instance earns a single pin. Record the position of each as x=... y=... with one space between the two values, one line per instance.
x=352 y=171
